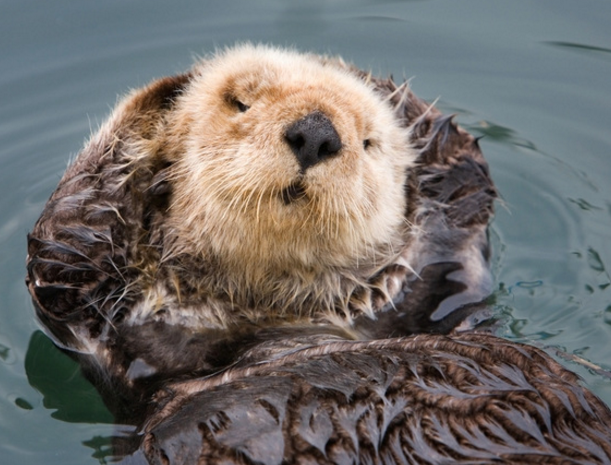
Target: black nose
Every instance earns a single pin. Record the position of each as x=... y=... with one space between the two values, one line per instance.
x=313 y=139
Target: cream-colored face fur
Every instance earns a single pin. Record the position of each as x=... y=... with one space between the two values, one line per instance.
x=233 y=168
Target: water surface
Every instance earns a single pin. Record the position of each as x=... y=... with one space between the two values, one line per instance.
x=533 y=77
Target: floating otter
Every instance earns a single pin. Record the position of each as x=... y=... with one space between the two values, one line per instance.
x=270 y=203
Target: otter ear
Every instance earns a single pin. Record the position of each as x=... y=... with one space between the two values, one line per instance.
x=161 y=94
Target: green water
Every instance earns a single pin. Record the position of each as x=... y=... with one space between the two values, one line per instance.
x=533 y=77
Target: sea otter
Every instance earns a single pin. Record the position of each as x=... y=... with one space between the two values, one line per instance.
x=263 y=204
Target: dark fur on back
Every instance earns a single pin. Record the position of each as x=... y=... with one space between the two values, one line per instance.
x=428 y=399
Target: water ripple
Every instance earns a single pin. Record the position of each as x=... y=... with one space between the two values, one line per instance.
x=586 y=49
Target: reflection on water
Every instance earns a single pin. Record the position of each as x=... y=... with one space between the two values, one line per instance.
x=5 y=352
x=501 y=135
x=102 y=448
x=57 y=377
x=582 y=47
x=517 y=73
x=584 y=204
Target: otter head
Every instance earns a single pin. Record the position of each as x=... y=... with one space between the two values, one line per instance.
x=287 y=168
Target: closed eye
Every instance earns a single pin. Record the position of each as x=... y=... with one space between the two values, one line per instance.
x=242 y=107
x=237 y=104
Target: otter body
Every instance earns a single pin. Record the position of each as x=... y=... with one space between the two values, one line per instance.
x=262 y=204
x=427 y=399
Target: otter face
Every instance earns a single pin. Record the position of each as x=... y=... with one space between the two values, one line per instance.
x=286 y=164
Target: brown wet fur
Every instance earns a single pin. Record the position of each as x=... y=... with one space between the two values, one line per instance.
x=473 y=398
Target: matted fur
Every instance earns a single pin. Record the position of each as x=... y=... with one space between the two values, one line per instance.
x=427 y=399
